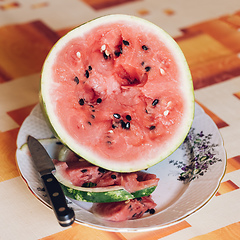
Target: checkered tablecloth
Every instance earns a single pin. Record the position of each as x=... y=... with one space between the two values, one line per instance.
x=208 y=32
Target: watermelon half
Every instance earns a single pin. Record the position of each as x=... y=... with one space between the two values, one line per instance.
x=117 y=91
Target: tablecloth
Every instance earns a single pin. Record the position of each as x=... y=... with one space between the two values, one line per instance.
x=208 y=33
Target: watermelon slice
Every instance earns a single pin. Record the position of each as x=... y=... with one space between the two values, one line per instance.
x=117 y=91
x=85 y=182
x=105 y=191
x=125 y=210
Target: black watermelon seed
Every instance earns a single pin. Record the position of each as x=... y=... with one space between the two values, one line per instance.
x=144 y=47
x=116 y=115
x=147 y=69
x=89 y=123
x=126 y=43
x=92 y=116
x=113 y=176
x=84 y=170
x=123 y=124
x=152 y=127
x=120 y=49
x=93 y=110
x=105 y=55
x=151 y=211
x=86 y=74
x=109 y=142
x=81 y=101
x=76 y=80
x=155 y=102
x=99 y=100
x=102 y=170
x=128 y=117
x=142 y=63
x=89 y=68
x=114 y=126
x=127 y=125
x=117 y=54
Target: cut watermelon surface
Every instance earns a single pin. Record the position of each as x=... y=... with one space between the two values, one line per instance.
x=82 y=181
x=125 y=210
x=118 y=92
x=84 y=174
x=86 y=182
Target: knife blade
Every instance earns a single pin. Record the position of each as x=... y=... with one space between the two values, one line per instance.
x=44 y=165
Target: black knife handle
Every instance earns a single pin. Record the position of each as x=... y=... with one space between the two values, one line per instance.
x=64 y=214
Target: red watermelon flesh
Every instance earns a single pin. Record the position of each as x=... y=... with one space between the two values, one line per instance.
x=126 y=210
x=115 y=93
x=84 y=174
x=125 y=88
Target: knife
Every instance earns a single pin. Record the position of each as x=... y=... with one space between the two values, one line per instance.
x=44 y=165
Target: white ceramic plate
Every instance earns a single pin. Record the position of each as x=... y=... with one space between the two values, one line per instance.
x=189 y=178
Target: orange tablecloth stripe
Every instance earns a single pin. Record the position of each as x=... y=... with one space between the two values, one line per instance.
x=231 y=231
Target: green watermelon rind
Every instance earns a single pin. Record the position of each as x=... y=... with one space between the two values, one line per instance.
x=102 y=194
x=144 y=192
x=46 y=117
x=85 y=152
x=99 y=194
x=110 y=196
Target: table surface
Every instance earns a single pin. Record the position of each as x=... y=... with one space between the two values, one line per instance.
x=208 y=33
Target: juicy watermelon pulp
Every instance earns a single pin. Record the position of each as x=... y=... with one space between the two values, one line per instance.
x=84 y=181
x=125 y=210
x=84 y=174
x=115 y=196
x=117 y=91
x=76 y=176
